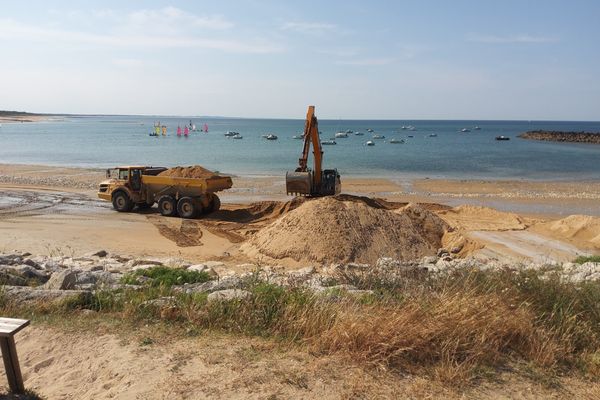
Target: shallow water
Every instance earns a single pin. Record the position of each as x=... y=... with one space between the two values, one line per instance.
x=109 y=140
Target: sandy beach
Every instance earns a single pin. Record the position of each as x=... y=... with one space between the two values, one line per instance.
x=53 y=213
x=52 y=208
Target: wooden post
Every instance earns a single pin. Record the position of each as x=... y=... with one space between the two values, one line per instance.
x=8 y=328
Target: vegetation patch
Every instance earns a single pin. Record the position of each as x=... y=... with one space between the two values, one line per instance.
x=164 y=276
x=584 y=259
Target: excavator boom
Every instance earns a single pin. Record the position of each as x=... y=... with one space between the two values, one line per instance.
x=316 y=182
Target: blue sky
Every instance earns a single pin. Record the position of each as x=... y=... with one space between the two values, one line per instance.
x=352 y=59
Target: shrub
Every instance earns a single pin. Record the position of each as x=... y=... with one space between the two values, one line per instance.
x=584 y=259
x=165 y=276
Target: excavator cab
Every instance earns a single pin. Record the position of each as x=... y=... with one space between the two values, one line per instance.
x=312 y=182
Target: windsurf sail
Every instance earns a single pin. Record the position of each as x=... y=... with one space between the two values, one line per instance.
x=178 y=131
x=205 y=128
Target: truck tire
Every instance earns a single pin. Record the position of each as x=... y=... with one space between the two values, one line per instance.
x=121 y=202
x=167 y=206
x=187 y=207
x=215 y=204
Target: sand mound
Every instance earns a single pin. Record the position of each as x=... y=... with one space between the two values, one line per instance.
x=349 y=229
x=581 y=229
x=195 y=171
x=475 y=218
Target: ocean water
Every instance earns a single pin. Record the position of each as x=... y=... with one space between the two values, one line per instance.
x=107 y=141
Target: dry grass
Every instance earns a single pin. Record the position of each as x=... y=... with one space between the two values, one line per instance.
x=456 y=329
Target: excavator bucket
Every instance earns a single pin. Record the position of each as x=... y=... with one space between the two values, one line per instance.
x=298 y=183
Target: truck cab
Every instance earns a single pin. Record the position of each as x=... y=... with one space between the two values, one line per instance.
x=127 y=179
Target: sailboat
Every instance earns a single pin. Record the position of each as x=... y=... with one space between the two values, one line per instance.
x=178 y=130
x=186 y=131
x=164 y=130
x=192 y=126
x=205 y=128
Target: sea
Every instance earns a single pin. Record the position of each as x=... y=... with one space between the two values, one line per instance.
x=434 y=149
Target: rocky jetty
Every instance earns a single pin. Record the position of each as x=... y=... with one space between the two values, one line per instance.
x=559 y=136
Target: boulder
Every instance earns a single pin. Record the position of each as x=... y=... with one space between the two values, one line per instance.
x=101 y=253
x=63 y=280
x=28 y=272
x=228 y=294
x=7 y=278
x=204 y=268
x=24 y=294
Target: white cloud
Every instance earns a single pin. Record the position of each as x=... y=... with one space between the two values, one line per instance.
x=172 y=16
x=366 y=62
x=523 y=38
x=10 y=29
x=309 y=27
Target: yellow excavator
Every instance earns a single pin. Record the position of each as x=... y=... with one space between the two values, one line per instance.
x=316 y=182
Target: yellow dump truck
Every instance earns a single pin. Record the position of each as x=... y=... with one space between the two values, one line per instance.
x=131 y=186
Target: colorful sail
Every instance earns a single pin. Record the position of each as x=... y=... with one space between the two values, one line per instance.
x=205 y=128
x=178 y=131
x=186 y=131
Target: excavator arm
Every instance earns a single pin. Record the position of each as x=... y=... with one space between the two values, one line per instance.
x=311 y=135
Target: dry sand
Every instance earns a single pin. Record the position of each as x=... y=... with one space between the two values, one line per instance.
x=349 y=229
x=195 y=171
x=55 y=210
x=73 y=364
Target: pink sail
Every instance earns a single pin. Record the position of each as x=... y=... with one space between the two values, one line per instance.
x=186 y=131
x=205 y=129
x=178 y=131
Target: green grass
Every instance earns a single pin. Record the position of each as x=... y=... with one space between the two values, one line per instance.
x=164 y=276
x=584 y=259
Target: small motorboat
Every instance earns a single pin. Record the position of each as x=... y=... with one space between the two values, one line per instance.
x=370 y=143
x=153 y=134
x=270 y=136
x=410 y=136
x=238 y=136
x=378 y=137
x=433 y=135
x=396 y=141
x=349 y=131
x=404 y=128
x=464 y=130
x=328 y=142
x=477 y=128
x=341 y=135
x=502 y=137
x=298 y=136
x=412 y=128
x=231 y=134
x=370 y=130
x=359 y=133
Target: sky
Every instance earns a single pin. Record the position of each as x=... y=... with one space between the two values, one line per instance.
x=480 y=59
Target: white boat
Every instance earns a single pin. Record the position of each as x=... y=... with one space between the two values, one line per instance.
x=341 y=135
x=349 y=131
x=397 y=140
x=477 y=128
x=231 y=133
x=297 y=137
x=270 y=136
x=370 y=130
x=328 y=142
x=404 y=128
x=433 y=135
x=411 y=128
x=237 y=137
x=378 y=137
x=359 y=133
x=465 y=130
x=370 y=143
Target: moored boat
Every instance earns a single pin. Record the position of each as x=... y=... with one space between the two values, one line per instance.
x=502 y=137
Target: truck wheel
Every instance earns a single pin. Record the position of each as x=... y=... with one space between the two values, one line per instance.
x=121 y=202
x=215 y=203
x=166 y=206
x=186 y=207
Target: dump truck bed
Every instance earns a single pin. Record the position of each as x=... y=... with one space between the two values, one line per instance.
x=196 y=185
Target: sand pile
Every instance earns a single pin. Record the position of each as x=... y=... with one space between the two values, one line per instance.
x=349 y=229
x=583 y=230
x=194 y=171
x=475 y=218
